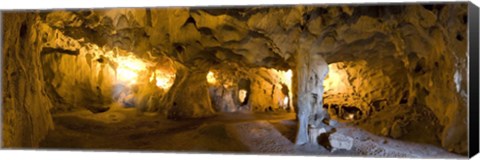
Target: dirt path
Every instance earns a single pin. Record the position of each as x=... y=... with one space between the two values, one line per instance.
x=265 y=133
x=123 y=129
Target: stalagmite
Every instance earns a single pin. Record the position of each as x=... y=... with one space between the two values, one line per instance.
x=311 y=71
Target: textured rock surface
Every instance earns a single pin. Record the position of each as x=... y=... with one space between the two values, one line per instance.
x=189 y=96
x=267 y=90
x=414 y=61
x=25 y=103
x=409 y=56
x=338 y=141
x=223 y=99
x=368 y=86
x=311 y=71
x=79 y=80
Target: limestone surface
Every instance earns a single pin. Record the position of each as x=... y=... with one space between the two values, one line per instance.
x=394 y=70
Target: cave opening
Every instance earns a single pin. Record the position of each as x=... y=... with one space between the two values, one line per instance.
x=264 y=80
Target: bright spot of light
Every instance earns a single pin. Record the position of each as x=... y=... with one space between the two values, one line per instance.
x=163 y=79
x=288 y=74
x=242 y=94
x=211 y=78
x=285 y=101
x=288 y=79
x=162 y=82
x=285 y=77
x=350 y=116
x=335 y=79
x=129 y=68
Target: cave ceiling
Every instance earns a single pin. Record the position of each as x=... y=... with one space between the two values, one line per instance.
x=248 y=36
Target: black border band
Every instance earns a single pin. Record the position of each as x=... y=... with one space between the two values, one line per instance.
x=473 y=19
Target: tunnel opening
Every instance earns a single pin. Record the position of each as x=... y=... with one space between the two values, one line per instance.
x=101 y=77
x=261 y=90
x=349 y=98
x=263 y=80
x=244 y=91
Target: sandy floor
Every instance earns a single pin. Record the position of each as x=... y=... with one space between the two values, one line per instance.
x=246 y=133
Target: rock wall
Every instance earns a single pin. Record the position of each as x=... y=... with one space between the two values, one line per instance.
x=25 y=100
x=79 y=81
x=81 y=74
x=366 y=85
x=425 y=44
x=365 y=93
x=189 y=96
x=46 y=71
x=224 y=90
x=225 y=99
x=267 y=90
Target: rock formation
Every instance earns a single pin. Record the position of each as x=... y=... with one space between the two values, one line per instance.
x=405 y=61
x=311 y=71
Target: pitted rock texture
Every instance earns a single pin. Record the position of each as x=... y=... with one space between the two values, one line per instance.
x=412 y=55
x=25 y=102
x=267 y=89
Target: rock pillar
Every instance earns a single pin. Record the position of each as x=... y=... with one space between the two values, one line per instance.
x=311 y=70
x=188 y=97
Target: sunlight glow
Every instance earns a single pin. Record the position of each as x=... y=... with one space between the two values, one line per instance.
x=285 y=77
x=242 y=94
x=211 y=78
x=335 y=79
x=163 y=80
x=128 y=69
x=285 y=101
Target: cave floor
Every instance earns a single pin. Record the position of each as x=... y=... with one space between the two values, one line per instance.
x=123 y=129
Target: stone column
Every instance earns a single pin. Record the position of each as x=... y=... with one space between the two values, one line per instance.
x=311 y=70
x=188 y=97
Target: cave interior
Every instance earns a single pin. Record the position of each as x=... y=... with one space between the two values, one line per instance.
x=378 y=80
